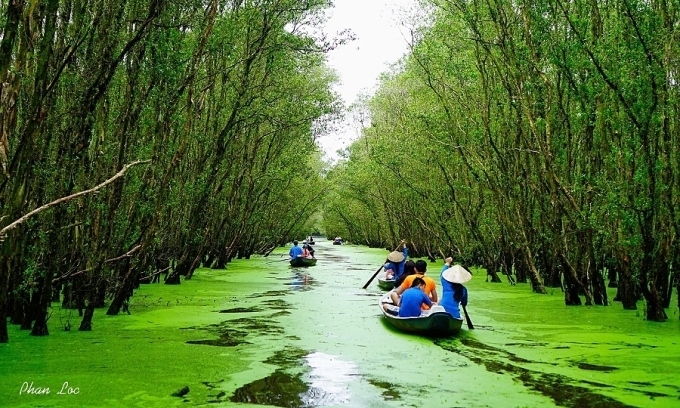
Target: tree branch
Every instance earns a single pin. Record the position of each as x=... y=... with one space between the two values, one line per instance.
x=125 y=255
x=3 y=232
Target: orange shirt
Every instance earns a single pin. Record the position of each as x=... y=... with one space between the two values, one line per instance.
x=430 y=285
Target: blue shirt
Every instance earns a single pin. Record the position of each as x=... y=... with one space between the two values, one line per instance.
x=411 y=301
x=295 y=252
x=398 y=267
x=447 y=301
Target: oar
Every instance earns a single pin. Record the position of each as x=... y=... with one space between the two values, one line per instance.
x=376 y=272
x=373 y=277
x=467 y=319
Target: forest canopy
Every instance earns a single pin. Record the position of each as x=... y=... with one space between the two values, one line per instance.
x=536 y=139
x=206 y=112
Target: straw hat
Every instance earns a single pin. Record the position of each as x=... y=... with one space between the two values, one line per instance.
x=456 y=274
x=395 y=256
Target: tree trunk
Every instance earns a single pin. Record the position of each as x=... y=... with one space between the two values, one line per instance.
x=194 y=265
x=599 y=288
x=571 y=291
x=665 y=283
x=553 y=272
x=69 y=300
x=86 y=323
x=4 y=299
x=655 y=310
x=4 y=334
x=18 y=311
x=611 y=273
x=181 y=269
x=492 y=271
x=31 y=311
x=536 y=283
x=520 y=270
x=123 y=293
x=221 y=260
x=677 y=290
x=626 y=290
x=45 y=299
x=210 y=259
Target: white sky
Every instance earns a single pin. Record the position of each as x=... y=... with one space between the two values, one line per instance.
x=381 y=41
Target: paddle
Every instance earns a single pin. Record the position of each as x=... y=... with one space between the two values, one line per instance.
x=378 y=271
x=467 y=319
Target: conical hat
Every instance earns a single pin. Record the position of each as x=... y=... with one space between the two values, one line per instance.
x=456 y=274
x=395 y=256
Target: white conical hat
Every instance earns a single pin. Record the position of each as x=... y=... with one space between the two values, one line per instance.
x=395 y=256
x=456 y=274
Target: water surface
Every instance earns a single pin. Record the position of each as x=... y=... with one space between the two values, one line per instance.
x=264 y=334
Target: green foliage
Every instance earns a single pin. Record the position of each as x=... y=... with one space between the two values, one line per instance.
x=542 y=133
x=223 y=99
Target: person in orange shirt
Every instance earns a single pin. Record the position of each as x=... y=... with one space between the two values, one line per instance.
x=430 y=285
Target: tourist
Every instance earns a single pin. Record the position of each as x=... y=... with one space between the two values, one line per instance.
x=409 y=269
x=308 y=251
x=413 y=299
x=295 y=251
x=430 y=284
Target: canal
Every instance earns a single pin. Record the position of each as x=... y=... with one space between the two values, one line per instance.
x=264 y=334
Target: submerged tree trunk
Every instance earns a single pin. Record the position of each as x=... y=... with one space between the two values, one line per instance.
x=123 y=293
x=520 y=270
x=30 y=311
x=677 y=290
x=612 y=273
x=665 y=279
x=492 y=271
x=599 y=288
x=44 y=301
x=626 y=290
x=182 y=268
x=86 y=323
x=571 y=291
x=16 y=312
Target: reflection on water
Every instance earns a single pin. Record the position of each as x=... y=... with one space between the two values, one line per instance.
x=329 y=380
x=311 y=380
x=301 y=281
x=279 y=389
x=390 y=391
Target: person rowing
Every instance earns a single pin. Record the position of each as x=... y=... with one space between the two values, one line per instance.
x=454 y=293
x=394 y=267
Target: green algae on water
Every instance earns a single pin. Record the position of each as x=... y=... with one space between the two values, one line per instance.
x=327 y=344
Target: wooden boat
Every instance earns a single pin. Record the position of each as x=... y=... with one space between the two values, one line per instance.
x=300 y=261
x=385 y=284
x=435 y=322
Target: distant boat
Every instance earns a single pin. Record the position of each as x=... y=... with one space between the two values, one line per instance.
x=300 y=261
x=436 y=322
x=337 y=241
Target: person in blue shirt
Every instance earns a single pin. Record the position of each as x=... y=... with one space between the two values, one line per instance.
x=413 y=298
x=295 y=251
x=394 y=267
x=454 y=293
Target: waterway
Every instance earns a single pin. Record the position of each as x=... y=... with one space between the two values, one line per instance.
x=261 y=333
